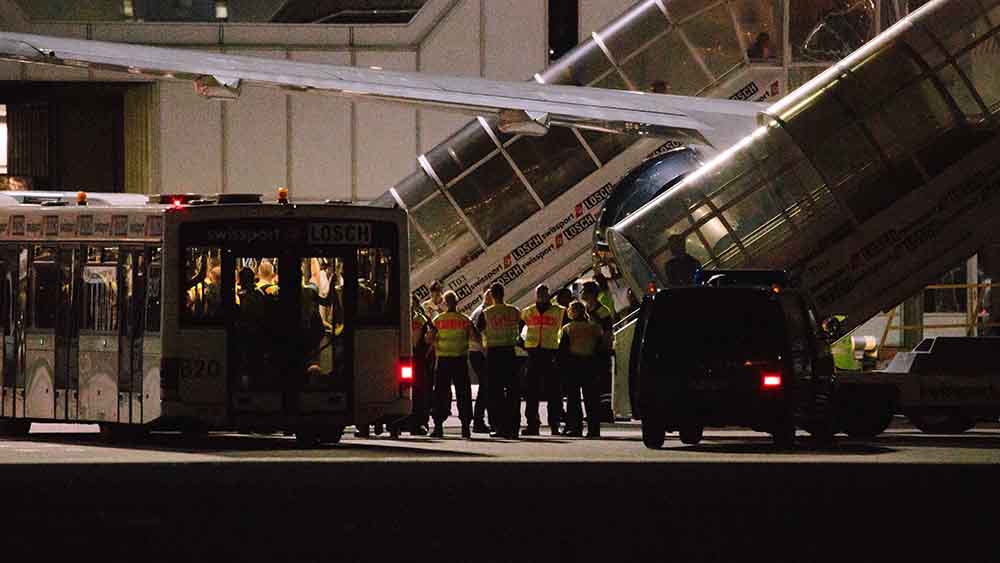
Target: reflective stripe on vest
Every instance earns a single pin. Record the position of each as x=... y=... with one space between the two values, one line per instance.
x=584 y=337
x=452 y=339
x=501 y=325
x=543 y=328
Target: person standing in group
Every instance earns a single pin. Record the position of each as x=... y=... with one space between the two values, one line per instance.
x=452 y=332
x=604 y=296
x=543 y=320
x=416 y=422
x=603 y=317
x=499 y=324
x=477 y=359
x=579 y=345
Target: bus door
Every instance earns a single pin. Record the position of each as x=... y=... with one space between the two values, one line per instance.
x=12 y=307
x=151 y=341
x=46 y=288
x=98 y=337
x=67 y=341
x=260 y=330
x=323 y=379
x=132 y=297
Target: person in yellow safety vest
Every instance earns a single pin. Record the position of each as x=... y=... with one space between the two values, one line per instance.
x=477 y=359
x=267 y=284
x=579 y=347
x=604 y=294
x=499 y=324
x=602 y=316
x=542 y=321
x=452 y=332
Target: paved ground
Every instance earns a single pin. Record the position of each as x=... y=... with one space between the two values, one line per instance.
x=620 y=443
x=735 y=497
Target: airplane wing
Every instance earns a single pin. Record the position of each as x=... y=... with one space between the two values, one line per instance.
x=523 y=107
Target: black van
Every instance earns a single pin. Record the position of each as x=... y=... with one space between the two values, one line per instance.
x=732 y=356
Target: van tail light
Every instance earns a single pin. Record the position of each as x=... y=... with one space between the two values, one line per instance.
x=406 y=371
x=770 y=379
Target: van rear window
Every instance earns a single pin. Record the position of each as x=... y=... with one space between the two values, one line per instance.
x=717 y=324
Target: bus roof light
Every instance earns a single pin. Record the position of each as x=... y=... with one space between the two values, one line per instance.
x=81 y=198
x=283 y=196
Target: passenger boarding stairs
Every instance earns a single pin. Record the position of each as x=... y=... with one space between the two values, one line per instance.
x=489 y=207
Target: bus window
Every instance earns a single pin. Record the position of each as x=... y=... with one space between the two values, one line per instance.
x=374 y=282
x=153 y=291
x=45 y=289
x=202 y=296
x=100 y=290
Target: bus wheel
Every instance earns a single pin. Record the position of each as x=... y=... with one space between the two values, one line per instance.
x=14 y=428
x=952 y=423
x=692 y=434
x=332 y=435
x=653 y=433
x=122 y=433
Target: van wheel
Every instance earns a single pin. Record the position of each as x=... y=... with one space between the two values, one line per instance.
x=332 y=435
x=865 y=419
x=952 y=423
x=692 y=434
x=14 y=428
x=784 y=436
x=306 y=438
x=653 y=433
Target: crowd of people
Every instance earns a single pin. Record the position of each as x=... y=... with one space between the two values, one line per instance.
x=568 y=344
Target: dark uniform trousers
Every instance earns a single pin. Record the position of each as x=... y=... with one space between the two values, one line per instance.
x=505 y=403
x=452 y=371
x=583 y=374
x=422 y=386
x=542 y=374
x=478 y=361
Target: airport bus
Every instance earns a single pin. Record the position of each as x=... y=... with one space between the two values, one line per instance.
x=200 y=313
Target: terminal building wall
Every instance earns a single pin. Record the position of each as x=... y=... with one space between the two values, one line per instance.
x=319 y=146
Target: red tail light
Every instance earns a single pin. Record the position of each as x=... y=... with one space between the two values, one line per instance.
x=770 y=379
x=406 y=373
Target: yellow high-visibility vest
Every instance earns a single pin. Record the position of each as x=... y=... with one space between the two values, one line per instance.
x=501 y=325
x=452 y=335
x=543 y=328
x=584 y=337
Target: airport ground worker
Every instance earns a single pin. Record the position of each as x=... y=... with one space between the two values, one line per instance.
x=542 y=321
x=579 y=346
x=499 y=325
x=603 y=317
x=477 y=360
x=452 y=332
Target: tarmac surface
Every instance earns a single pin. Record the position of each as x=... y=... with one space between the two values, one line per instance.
x=903 y=495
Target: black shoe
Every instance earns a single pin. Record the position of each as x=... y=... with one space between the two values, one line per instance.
x=466 y=432
x=555 y=431
x=497 y=435
x=438 y=432
x=418 y=431
x=362 y=432
x=481 y=428
x=573 y=433
x=593 y=435
x=531 y=431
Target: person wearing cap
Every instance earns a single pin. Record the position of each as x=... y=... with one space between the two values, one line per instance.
x=579 y=344
x=451 y=332
x=499 y=324
x=542 y=321
x=681 y=269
